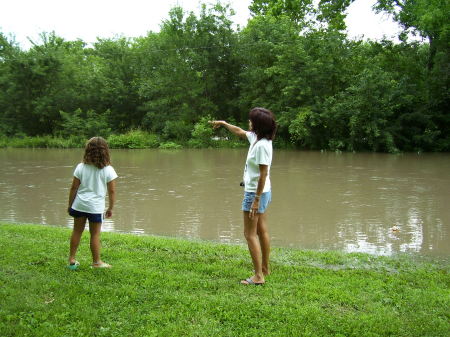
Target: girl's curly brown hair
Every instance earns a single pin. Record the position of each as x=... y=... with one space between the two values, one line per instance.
x=97 y=152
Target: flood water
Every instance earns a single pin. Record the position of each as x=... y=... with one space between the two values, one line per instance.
x=328 y=201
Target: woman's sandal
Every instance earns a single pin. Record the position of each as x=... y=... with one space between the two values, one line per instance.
x=101 y=265
x=73 y=265
x=249 y=281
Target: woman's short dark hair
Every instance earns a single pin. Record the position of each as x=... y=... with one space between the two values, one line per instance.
x=263 y=123
x=97 y=152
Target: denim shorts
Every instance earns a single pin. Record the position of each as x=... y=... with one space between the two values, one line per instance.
x=90 y=216
x=264 y=201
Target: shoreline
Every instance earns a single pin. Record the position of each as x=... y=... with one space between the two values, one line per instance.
x=418 y=257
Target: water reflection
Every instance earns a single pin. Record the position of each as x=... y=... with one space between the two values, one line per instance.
x=415 y=231
x=347 y=202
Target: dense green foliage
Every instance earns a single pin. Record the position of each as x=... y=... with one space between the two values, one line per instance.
x=327 y=91
x=173 y=287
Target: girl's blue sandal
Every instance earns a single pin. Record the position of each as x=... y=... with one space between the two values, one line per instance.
x=73 y=265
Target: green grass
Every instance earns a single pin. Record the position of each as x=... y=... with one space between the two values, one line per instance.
x=173 y=287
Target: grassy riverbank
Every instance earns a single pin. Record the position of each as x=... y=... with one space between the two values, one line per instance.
x=173 y=287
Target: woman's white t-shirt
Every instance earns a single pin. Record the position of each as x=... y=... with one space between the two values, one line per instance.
x=259 y=153
x=93 y=187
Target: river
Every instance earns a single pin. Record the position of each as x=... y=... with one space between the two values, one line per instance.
x=354 y=202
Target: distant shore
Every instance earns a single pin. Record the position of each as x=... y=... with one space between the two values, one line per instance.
x=136 y=139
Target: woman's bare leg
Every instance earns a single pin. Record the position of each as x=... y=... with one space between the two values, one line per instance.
x=78 y=228
x=250 y=233
x=264 y=241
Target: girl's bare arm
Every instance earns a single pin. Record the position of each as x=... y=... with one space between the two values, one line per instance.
x=111 y=197
x=73 y=190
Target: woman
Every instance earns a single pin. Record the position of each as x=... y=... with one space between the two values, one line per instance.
x=257 y=188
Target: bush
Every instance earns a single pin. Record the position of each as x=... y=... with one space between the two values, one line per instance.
x=84 y=123
x=170 y=146
x=195 y=144
x=43 y=142
x=300 y=127
x=135 y=139
x=176 y=130
x=3 y=141
x=202 y=133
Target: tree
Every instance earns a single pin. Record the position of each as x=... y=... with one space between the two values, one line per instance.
x=296 y=10
x=9 y=124
x=430 y=19
x=305 y=13
x=116 y=75
x=34 y=78
x=359 y=117
x=191 y=69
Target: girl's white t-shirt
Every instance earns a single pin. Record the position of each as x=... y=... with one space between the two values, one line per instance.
x=259 y=153
x=93 y=187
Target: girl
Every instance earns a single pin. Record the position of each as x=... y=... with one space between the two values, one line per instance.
x=257 y=188
x=92 y=178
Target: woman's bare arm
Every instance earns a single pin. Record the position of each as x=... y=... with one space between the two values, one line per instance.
x=232 y=128
x=263 y=172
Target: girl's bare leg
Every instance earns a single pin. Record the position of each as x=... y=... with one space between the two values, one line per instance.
x=250 y=233
x=78 y=228
x=95 y=230
x=264 y=241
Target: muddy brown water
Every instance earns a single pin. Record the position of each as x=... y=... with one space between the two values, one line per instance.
x=376 y=203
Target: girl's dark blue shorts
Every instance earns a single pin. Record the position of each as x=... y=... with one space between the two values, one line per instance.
x=90 y=216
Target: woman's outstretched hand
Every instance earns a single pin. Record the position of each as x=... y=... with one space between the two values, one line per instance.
x=232 y=128
x=216 y=124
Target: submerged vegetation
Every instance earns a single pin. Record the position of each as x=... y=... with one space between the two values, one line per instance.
x=174 y=287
